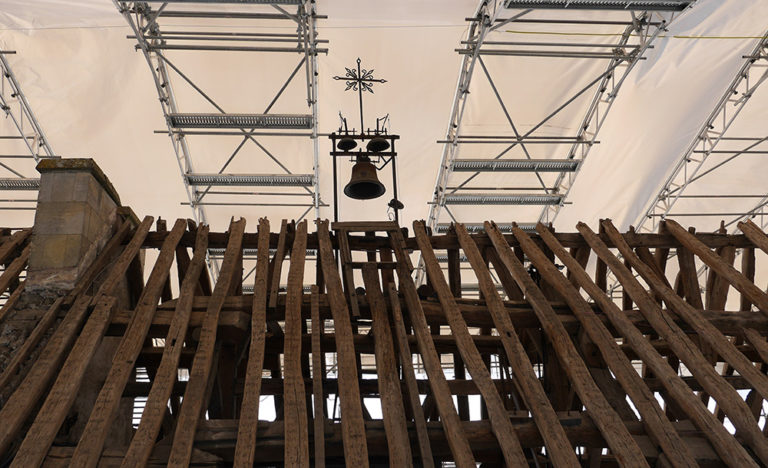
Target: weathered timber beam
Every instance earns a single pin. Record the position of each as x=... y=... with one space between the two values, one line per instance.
x=728 y=322
x=219 y=436
x=450 y=241
x=370 y=387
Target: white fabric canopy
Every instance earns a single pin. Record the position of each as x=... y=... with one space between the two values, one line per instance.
x=94 y=97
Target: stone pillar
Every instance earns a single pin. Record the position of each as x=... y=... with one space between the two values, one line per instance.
x=77 y=209
x=76 y=212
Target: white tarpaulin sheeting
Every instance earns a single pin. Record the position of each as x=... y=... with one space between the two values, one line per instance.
x=94 y=97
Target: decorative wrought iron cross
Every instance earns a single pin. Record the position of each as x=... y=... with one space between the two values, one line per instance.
x=359 y=80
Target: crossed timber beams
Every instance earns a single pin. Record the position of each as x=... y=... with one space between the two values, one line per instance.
x=530 y=181
x=555 y=365
x=202 y=28
x=22 y=143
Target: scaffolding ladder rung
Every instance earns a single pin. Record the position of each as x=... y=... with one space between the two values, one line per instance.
x=251 y=180
x=645 y=5
x=442 y=228
x=241 y=2
x=18 y=183
x=494 y=199
x=515 y=165
x=269 y=121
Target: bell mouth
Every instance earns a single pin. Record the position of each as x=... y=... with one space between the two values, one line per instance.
x=377 y=145
x=364 y=190
x=346 y=144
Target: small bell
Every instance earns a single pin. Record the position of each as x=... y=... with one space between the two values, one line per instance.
x=377 y=144
x=364 y=184
x=347 y=144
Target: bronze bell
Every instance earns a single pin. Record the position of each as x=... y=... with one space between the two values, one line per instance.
x=377 y=144
x=364 y=184
x=347 y=144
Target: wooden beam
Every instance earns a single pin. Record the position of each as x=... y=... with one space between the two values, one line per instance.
x=659 y=427
x=11 y=302
x=722 y=440
x=393 y=410
x=317 y=380
x=30 y=343
x=13 y=270
x=454 y=272
x=457 y=441
x=748 y=270
x=528 y=384
x=758 y=343
x=19 y=406
x=757 y=296
x=167 y=373
x=353 y=431
x=689 y=277
x=705 y=330
x=294 y=392
x=754 y=234
x=502 y=427
x=718 y=294
x=9 y=246
x=412 y=390
x=65 y=389
x=249 y=410
x=200 y=374
x=106 y=405
x=348 y=277
x=277 y=264
x=615 y=433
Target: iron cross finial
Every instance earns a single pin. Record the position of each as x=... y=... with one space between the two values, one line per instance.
x=359 y=80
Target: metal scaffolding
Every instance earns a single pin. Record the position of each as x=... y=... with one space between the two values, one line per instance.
x=22 y=143
x=713 y=151
x=530 y=179
x=206 y=27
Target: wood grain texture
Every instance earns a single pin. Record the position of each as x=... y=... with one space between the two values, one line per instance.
x=277 y=264
x=393 y=410
x=317 y=379
x=62 y=395
x=167 y=374
x=659 y=427
x=457 y=440
x=19 y=406
x=295 y=410
x=558 y=446
x=105 y=408
x=409 y=376
x=615 y=433
x=353 y=431
x=683 y=348
x=249 y=411
x=200 y=374
x=736 y=279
